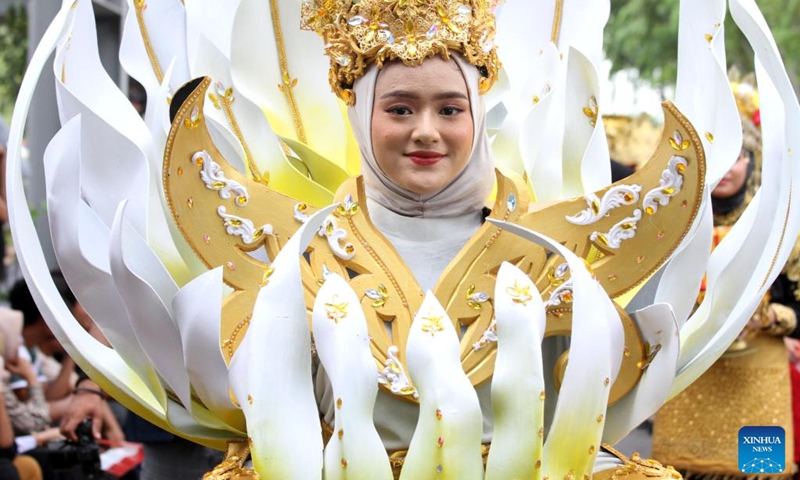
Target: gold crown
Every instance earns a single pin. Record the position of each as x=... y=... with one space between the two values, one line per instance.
x=358 y=33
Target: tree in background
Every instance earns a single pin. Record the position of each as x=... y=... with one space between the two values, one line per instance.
x=643 y=35
x=13 y=55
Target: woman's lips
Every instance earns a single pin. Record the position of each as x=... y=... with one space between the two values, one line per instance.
x=424 y=157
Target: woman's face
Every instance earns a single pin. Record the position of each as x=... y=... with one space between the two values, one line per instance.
x=421 y=124
x=733 y=181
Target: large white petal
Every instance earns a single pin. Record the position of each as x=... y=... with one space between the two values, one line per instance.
x=768 y=227
x=658 y=327
x=343 y=344
x=518 y=379
x=447 y=440
x=594 y=360
x=197 y=308
x=81 y=244
x=270 y=373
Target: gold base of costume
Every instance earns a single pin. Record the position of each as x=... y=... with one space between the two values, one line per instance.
x=697 y=431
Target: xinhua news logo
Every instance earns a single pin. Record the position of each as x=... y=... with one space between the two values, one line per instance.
x=762 y=450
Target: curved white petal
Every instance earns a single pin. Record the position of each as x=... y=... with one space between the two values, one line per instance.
x=197 y=308
x=768 y=226
x=258 y=72
x=165 y=34
x=103 y=364
x=81 y=244
x=447 y=440
x=702 y=90
x=594 y=361
x=518 y=380
x=679 y=284
x=343 y=344
x=518 y=141
x=658 y=327
x=585 y=155
x=145 y=288
x=270 y=373
x=115 y=166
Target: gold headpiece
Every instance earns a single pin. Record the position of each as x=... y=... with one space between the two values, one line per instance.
x=359 y=33
x=746 y=94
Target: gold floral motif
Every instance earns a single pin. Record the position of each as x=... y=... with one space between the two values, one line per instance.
x=336 y=310
x=432 y=324
x=519 y=294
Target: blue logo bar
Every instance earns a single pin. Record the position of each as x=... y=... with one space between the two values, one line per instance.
x=762 y=450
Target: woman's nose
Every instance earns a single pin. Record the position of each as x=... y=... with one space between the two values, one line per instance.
x=426 y=130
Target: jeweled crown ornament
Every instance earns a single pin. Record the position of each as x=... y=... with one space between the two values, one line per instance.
x=360 y=33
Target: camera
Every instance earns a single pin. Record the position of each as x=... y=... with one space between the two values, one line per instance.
x=81 y=457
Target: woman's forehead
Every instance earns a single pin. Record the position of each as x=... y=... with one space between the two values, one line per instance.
x=433 y=75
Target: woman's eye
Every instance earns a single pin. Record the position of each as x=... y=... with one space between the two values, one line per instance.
x=399 y=110
x=450 y=111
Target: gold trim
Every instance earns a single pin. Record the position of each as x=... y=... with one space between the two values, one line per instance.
x=225 y=102
x=288 y=82
x=557 y=17
x=780 y=242
x=140 y=5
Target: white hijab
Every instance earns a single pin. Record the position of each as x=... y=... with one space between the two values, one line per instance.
x=468 y=190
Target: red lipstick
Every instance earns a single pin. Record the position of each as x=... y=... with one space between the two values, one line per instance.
x=425 y=157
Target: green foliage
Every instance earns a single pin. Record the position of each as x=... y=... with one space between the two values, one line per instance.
x=13 y=54
x=643 y=35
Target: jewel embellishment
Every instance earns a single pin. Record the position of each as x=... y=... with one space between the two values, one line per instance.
x=490 y=335
x=193 y=120
x=395 y=376
x=267 y=273
x=243 y=227
x=378 y=295
x=511 y=202
x=677 y=142
x=597 y=209
x=592 y=110
x=476 y=299
x=623 y=230
x=348 y=208
x=558 y=275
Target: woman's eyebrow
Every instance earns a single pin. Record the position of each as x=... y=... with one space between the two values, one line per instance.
x=407 y=94
x=400 y=94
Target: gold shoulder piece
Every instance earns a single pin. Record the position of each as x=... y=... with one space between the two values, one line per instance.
x=222 y=214
x=636 y=468
x=627 y=230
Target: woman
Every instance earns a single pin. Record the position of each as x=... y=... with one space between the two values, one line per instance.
x=427 y=173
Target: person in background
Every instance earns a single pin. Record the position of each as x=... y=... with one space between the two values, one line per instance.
x=42 y=349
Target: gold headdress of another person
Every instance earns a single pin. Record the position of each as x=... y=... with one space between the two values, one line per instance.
x=360 y=33
x=746 y=95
